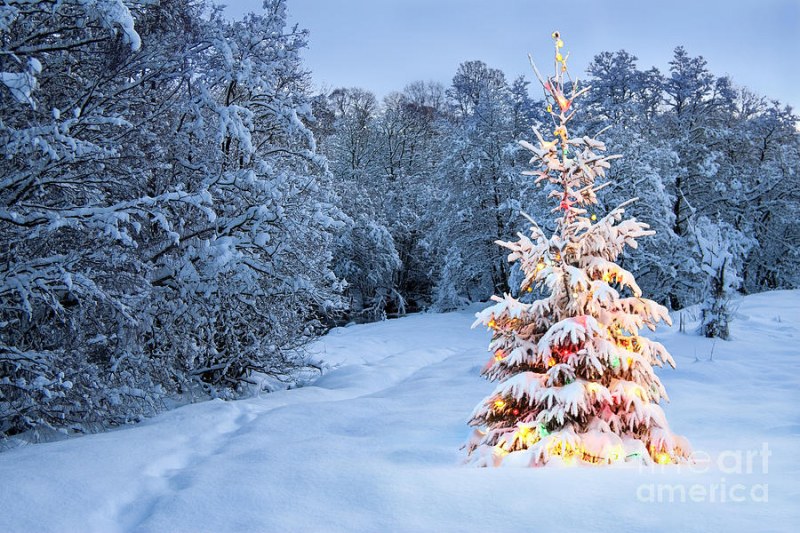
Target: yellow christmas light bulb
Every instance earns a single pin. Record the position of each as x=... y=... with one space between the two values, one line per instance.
x=559 y=57
x=549 y=108
x=500 y=451
x=594 y=217
x=492 y=323
x=606 y=277
x=563 y=103
x=663 y=458
x=499 y=355
x=530 y=289
x=560 y=43
x=551 y=362
x=499 y=404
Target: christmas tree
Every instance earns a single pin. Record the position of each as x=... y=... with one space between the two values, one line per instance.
x=575 y=378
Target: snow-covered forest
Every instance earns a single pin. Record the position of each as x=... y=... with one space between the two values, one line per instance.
x=181 y=213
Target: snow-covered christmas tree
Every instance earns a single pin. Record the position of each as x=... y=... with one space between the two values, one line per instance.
x=575 y=378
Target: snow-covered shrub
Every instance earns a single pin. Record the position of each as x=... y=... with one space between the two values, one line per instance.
x=722 y=249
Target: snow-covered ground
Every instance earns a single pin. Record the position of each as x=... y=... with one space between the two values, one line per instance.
x=374 y=446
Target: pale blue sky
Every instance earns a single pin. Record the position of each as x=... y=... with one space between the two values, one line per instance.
x=382 y=45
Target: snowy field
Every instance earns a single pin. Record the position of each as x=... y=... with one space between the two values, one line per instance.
x=374 y=446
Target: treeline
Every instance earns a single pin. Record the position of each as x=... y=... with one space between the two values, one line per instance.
x=180 y=215
x=436 y=173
